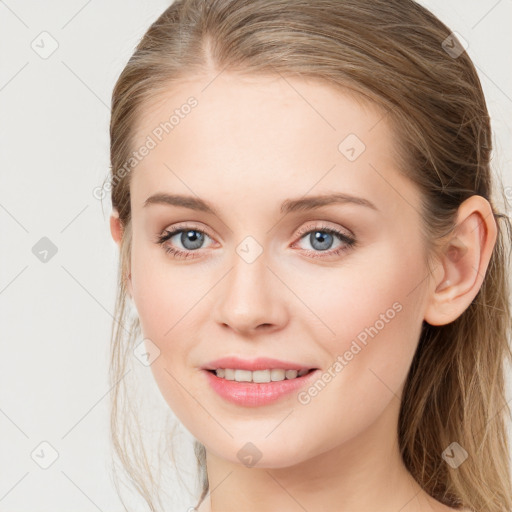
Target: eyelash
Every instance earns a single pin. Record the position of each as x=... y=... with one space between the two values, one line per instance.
x=348 y=241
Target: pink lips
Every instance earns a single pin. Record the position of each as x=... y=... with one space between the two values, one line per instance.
x=253 y=394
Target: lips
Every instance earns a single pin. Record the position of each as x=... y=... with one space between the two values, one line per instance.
x=261 y=363
x=252 y=394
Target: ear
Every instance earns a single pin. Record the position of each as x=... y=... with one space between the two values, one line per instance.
x=463 y=262
x=116 y=229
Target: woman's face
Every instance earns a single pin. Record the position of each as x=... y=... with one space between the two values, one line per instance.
x=263 y=276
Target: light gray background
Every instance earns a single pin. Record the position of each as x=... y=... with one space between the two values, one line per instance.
x=56 y=316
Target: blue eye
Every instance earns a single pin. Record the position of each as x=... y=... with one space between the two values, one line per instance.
x=321 y=239
x=190 y=238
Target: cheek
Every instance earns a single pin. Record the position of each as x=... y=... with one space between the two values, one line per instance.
x=374 y=310
x=171 y=301
x=161 y=291
x=378 y=287
x=164 y=297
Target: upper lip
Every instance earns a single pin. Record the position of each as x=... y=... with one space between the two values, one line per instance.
x=261 y=363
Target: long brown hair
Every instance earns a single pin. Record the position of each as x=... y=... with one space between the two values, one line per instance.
x=399 y=55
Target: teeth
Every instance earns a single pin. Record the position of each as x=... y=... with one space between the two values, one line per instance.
x=258 y=376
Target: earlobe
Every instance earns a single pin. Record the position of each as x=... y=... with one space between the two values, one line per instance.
x=463 y=262
x=116 y=229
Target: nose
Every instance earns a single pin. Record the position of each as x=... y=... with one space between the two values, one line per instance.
x=251 y=299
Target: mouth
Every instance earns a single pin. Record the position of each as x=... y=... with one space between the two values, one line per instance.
x=260 y=363
x=258 y=388
x=260 y=376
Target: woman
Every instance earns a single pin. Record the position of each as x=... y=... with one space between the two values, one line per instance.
x=303 y=203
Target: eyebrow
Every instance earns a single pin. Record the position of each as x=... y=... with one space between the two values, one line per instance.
x=288 y=206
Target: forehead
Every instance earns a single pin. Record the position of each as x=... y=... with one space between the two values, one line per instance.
x=229 y=135
x=268 y=106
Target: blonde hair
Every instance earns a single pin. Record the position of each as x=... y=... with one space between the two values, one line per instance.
x=392 y=53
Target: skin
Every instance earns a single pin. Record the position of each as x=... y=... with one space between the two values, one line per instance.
x=250 y=144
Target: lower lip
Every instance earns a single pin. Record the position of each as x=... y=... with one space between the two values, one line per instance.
x=252 y=394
